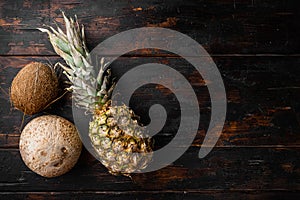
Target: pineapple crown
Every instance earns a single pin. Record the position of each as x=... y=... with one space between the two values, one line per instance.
x=89 y=90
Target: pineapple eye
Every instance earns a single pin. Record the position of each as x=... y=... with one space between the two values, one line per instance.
x=104 y=127
x=112 y=111
x=117 y=146
x=123 y=121
x=110 y=121
x=103 y=130
x=106 y=143
x=96 y=140
x=114 y=132
x=110 y=156
x=102 y=119
x=94 y=130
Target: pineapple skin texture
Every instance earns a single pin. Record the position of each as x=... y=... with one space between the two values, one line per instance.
x=118 y=140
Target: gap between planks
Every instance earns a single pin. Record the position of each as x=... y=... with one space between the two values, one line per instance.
x=204 y=191
x=165 y=55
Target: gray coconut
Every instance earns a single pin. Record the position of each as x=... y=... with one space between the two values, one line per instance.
x=34 y=88
x=50 y=145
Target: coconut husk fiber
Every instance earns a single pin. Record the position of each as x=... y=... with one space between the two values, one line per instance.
x=34 y=88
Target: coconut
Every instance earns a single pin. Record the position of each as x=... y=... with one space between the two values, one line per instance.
x=50 y=145
x=34 y=88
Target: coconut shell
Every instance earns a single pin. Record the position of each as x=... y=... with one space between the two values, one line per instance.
x=50 y=145
x=34 y=87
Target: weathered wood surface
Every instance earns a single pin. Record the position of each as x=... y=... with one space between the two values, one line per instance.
x=255 y=45
x=223 y=169
x=236 y=27
x=152 y=195
x=263 y=99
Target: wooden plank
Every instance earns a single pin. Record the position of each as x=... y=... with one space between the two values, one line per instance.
x=244 y=27
x=153 y=195
x=257 y=154
x=223 y=169
x=262 y=92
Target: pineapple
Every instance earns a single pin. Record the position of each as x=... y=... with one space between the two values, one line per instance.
x=114 y=131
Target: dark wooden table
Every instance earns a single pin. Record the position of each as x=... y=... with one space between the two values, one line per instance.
x=255 y=45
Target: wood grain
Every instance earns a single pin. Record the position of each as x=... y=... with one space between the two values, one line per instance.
x=263 y=99
x=247 y=27
x=255 y=45
x=224 y=168
x=152 y=195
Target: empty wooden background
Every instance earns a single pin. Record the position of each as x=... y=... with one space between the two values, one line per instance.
x=255 y=45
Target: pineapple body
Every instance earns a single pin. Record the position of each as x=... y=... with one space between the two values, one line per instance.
x=119 y=140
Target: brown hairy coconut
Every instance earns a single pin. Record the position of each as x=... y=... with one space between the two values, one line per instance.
x=34 y=87
x=50 y=145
